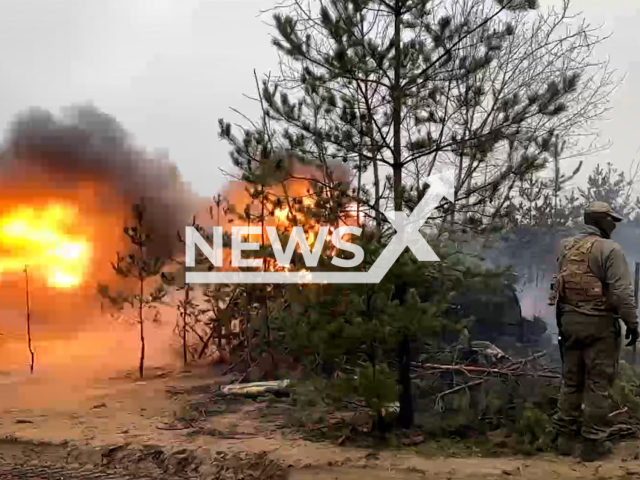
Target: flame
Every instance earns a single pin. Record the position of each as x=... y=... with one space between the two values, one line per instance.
x=282 y=215
x=294 y=203
x=39 y=238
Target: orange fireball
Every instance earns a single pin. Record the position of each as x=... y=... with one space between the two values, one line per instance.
x=42 y=239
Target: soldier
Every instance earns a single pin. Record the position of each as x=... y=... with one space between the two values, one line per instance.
x=592 y=290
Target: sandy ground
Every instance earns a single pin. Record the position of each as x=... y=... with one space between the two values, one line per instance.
x=122 y=410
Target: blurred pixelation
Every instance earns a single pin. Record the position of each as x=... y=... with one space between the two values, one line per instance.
x=67 y=186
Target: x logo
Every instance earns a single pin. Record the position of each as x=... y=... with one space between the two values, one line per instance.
x=408 y=229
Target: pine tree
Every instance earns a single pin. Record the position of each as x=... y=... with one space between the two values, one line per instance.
x=142 y=267
x=188 y=309
x=612 y=186
x=210 y=320
x=415 y=87
x=271 y=202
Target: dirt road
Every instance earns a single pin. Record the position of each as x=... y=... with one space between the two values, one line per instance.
x=120 y=428
x=41 y=461
x=40 y=472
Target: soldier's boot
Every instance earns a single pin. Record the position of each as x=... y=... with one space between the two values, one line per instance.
x=593 y=450
x=566 y=444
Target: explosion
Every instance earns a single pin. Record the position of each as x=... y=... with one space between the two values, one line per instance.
x=41 y=239
x=67 y=187
x=68 y=183
x=301 y=193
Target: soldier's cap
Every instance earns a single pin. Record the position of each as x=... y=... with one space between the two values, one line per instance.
x=603 y=207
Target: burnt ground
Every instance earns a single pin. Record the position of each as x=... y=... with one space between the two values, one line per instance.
x=171 y=426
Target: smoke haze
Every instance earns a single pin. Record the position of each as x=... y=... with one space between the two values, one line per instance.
x=85 y=157
x=532 y=253
x=85 y=144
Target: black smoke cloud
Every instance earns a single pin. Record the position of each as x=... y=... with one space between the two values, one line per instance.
x=86 y=143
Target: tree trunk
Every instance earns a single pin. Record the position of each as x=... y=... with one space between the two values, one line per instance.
x=184 y=324
x=556 y=189
x=247 y=328
x=206 y=344
x=397 y=110
x=141 y=320
x=405 y=416
x=373 y=151
x=31 y=365
x=359 y=187
x=376 y=201
x=264 y=311
x=218 y=327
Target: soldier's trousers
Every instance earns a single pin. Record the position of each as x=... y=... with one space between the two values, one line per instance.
x=591 y=357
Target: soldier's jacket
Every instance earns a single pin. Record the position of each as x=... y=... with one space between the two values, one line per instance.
x=605 y=283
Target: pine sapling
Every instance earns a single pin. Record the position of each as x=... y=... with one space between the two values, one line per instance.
x=141 y=266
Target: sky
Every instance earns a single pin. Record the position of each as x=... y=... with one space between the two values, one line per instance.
x=169 y=69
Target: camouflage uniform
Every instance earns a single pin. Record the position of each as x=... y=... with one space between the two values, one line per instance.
x=594 y=290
